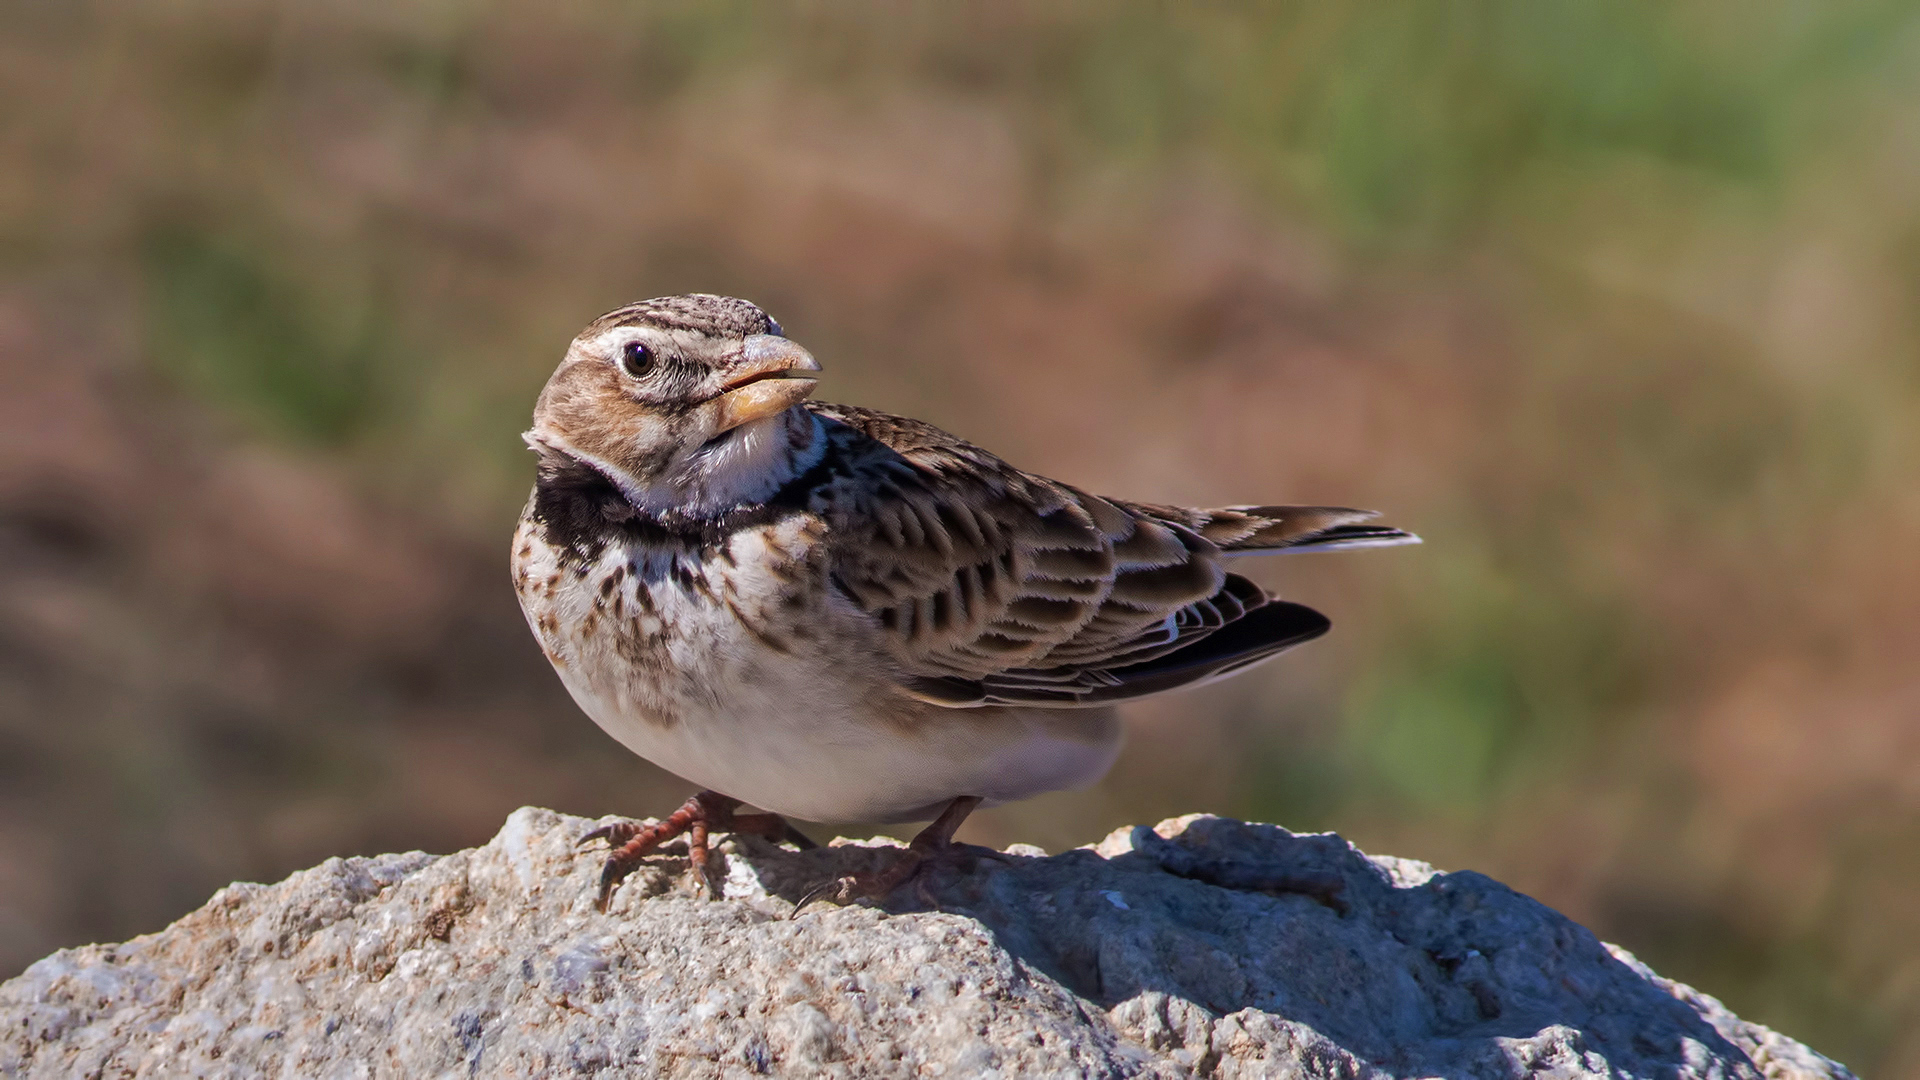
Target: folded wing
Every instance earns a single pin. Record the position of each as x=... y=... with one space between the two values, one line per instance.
x=994 y=586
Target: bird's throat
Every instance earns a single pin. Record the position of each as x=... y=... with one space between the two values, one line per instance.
x=742 y=467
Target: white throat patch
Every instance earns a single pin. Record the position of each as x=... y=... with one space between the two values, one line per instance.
x=744 y=466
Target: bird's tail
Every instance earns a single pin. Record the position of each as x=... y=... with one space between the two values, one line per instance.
x=1251 y=530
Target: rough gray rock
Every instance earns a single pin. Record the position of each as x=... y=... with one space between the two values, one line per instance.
x=1201 y=947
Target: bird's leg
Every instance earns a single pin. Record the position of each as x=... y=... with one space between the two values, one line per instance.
x=705 y=813
x=933 y=841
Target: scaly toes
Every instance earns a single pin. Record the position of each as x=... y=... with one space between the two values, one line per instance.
x=619 y=866
x=614 y=833
x=839 y=892
x=701 y=816
x=875 y=886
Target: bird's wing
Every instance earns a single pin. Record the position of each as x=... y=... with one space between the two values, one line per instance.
x=995 y=586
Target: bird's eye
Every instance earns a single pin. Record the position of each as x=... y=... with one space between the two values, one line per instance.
x=636 y=359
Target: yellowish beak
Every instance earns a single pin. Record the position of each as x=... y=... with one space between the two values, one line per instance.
x=765 y=381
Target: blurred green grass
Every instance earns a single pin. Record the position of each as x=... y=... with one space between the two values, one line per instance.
x=293 y=363
x=1628 y=287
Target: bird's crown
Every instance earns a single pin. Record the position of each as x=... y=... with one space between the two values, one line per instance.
x=698 y=313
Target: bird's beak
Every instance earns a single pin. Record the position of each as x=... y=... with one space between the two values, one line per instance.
x=768 y=378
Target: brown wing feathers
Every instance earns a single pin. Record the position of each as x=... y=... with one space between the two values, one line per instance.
x=997 y=586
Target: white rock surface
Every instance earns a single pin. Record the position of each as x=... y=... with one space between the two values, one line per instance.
x=1201 y=947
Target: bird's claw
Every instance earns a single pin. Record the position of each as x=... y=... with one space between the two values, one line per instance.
x=839 y=892
x=615 y=833
x=875 y=886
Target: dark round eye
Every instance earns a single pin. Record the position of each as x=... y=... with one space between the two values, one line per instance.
x=636 y=359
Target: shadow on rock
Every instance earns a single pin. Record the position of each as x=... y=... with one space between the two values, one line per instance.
x=1396 y=966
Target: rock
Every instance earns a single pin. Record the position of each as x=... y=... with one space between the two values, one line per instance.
x=1201 y=947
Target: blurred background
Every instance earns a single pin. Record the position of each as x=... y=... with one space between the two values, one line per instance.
x=1615 y=304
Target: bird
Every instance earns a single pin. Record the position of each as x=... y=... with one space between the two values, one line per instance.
x=832 y=613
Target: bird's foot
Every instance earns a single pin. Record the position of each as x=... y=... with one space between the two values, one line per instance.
x=934 y=844
x=706 y=813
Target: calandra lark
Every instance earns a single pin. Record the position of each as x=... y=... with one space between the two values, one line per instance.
x=839 y=615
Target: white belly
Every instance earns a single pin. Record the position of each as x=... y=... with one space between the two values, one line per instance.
x=816 y=731
x=819 y=759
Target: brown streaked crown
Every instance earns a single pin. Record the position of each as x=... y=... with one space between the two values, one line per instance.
x=701 y=313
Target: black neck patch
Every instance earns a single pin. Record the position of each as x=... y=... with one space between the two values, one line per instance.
x=580 y=511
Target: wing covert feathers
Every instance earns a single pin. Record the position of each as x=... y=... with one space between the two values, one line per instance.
x=996 y=586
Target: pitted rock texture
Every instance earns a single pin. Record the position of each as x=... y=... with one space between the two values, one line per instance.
x=1202 y=947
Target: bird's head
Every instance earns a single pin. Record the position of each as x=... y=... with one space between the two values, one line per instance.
x=665 y=396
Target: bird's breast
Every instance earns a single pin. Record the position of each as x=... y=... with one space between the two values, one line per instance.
x=655 y=632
